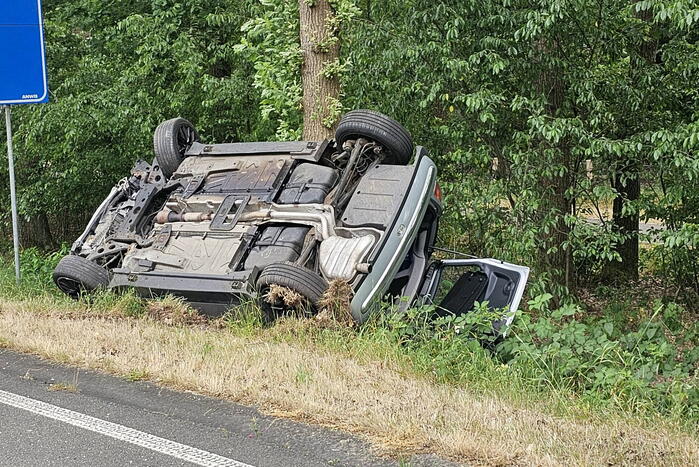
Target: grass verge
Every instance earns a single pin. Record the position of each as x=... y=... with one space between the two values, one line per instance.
x=339 y=378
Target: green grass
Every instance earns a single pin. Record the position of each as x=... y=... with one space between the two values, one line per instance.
x=625 y=359
x=461 y=362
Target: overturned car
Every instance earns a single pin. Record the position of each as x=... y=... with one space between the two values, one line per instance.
x=219 y=224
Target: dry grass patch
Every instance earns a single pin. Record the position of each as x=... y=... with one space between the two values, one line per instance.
x=174 y=311
x=290 y=298
x=335 y=305
x=399 y=414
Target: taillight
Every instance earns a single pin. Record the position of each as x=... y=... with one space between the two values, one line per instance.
x=438 y=192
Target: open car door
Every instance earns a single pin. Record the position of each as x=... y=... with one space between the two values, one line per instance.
x=455 y=285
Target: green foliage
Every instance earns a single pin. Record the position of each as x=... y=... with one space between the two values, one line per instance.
x=644 y=364
x=511 y=98
x=677 y=258
x=613 y=361
x=441 y=346
x=116 y=72
x=245 y=319
x=271 y=44
x=37 y=287
x=112 y=303
x=541 y=87
x=36 y=268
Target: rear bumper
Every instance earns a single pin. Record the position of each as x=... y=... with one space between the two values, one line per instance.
x=397 y=241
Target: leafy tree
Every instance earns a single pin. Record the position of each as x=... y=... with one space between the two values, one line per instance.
x=515 y=98
x=116 y=70
x=295 y=49
x=557 y=125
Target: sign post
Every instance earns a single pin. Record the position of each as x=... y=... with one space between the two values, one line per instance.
x=22 y=77
x=13 y=192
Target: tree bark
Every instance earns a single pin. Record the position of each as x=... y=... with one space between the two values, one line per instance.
x=558 y=259
x=320 y=46
x=37 y=232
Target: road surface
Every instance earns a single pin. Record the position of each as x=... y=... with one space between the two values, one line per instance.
x=107 y=421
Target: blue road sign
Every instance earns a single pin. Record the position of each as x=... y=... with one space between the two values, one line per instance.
x=22 y=58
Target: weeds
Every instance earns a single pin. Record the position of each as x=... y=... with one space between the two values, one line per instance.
x=66 y=387
x=644 y=364
x=37 y=270
x=245 y=319
x=137 y=375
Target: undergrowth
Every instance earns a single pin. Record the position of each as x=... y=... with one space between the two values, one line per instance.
x=623 y=359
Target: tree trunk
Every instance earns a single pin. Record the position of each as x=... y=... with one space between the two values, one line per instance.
x=37 y=232
x=629 y=191
x=558 y=260
x=321 y=47
x=627 y=179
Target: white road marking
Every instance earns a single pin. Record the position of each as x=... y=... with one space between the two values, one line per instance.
x=120 y=432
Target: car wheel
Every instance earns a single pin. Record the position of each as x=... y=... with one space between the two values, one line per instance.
x=76 y=275
x=396 y=141
x=309 y=285
x=171 y=141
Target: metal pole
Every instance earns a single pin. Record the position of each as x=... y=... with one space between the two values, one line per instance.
x=13 y=193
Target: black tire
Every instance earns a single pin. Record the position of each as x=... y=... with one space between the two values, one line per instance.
x=171 y=141
x=396 y=141
x=305 y=282
x=76 y=276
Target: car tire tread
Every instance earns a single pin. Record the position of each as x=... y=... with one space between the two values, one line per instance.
x=380 y=128
x=166 y=147
x=90 y=275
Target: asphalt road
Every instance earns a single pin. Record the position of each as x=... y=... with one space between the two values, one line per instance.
x=113 y=422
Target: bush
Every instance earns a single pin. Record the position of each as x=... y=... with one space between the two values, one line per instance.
x=677 y=258
x=635 y=363
x=442 y=346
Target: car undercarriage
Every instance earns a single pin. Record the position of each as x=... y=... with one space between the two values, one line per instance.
x=218 y=224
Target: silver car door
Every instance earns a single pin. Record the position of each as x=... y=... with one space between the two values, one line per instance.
x=454 y=285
